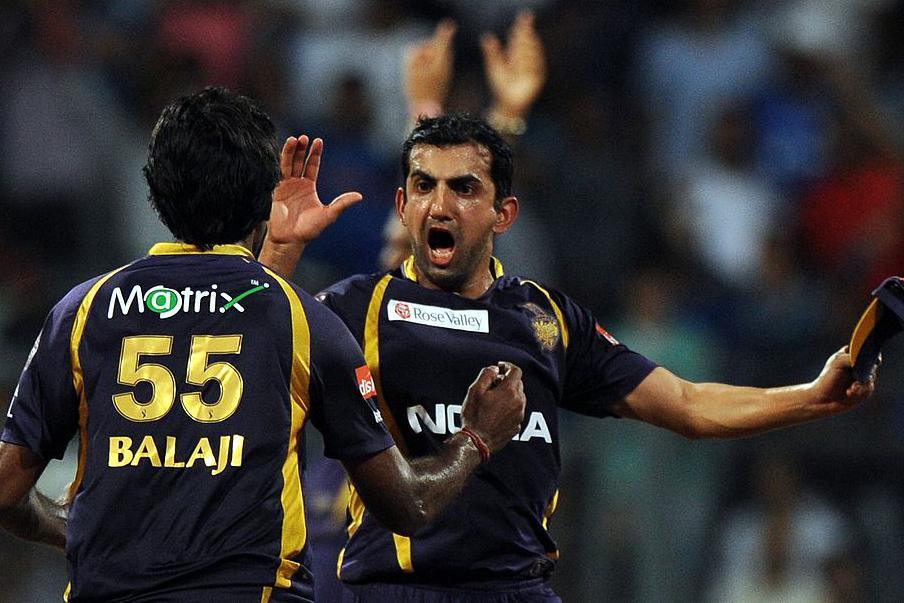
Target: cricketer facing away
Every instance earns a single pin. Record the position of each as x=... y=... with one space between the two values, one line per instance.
x=189 y=375
x=450 y=309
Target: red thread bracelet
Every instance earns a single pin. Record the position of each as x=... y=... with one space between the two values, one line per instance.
x=482 y=447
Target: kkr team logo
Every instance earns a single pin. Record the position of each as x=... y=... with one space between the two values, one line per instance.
x=403 y=311
x=546 y=327
x=167 y=302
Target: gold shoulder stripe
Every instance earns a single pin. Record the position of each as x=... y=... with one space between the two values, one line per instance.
x=186 y=249
x=496 y=267
x=294 y=529
x=408 y=269
x=403 y=552
x=372 y=356
x=78 y=377
x=555 y=308
x=550 y=509
x=356 y=511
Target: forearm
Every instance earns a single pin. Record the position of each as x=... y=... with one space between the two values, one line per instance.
x=404 y=496
x=37 y=518
x=438 y=479
x=281 y=258
x=716 y=410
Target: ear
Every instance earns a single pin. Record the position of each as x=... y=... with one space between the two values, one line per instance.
x=400 y=204
x=506 y=215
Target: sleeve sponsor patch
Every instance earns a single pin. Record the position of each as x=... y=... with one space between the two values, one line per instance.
x=366 y=384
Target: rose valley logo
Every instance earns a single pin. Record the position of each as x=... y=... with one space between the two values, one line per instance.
x=403 y=310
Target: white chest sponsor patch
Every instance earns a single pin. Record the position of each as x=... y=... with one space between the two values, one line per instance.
x=476 y=321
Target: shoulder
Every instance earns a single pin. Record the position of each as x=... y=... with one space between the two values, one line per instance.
x=359 y=285
x=535 y=291
x=82 y=294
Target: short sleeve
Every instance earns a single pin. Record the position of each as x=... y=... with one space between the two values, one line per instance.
x=599 y=370
x=348 y=299
x=43 y=414
x=343 y=394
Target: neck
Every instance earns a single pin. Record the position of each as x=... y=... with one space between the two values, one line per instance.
x=476 y=284
x=254 y=240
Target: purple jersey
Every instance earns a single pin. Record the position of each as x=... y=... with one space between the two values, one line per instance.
x=189 y=377
x=424 y=348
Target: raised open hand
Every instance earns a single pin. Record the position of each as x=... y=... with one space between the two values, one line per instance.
x=515 y=73
x=297 y=215
x=428 y=71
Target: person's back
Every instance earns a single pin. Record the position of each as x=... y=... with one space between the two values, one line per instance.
x=191 y=423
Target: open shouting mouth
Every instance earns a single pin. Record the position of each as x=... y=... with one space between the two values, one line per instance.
x=441 y=246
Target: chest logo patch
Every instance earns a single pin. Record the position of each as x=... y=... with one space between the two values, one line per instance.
x=546 y=327
x=475 y=321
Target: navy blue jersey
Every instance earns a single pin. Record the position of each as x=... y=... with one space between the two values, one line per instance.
x=424 y=348
x=189 y=377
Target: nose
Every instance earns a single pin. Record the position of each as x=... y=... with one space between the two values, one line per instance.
x=442 y=203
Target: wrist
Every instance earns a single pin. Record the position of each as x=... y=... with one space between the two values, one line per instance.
x=425 y=108
x=478 y=443
x=282 y=258
x=507 y=121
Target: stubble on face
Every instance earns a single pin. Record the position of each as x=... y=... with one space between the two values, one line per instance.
x=467 y=218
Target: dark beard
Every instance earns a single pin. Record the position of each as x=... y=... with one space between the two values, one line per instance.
x=454 y=278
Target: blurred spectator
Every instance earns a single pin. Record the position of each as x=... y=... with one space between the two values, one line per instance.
x=54 y=128
x=851 y=217
x=775 y=547
x=396 y=246
x=780 y=317
x=711 y=54
x=724 y=207
x=846 y=581
x=371 y=50
x=352 y=245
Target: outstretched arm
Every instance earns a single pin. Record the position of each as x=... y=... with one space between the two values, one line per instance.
x=297 y=215
x=404 y=495
x=717 y=410
x=24 y=511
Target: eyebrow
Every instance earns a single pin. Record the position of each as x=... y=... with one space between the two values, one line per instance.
x=455 y=181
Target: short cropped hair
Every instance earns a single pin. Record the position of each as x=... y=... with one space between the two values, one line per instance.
x=212 y=166
x=462 y=128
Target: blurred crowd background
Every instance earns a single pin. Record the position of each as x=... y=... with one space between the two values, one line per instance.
x=720 y=181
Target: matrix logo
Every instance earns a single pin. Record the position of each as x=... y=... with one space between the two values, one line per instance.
x=167 y=302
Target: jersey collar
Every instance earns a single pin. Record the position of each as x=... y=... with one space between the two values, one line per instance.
x=186 y=249
x=409 y=274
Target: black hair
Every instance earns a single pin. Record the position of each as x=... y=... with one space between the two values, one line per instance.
x=213 y=163
x=462 y=128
